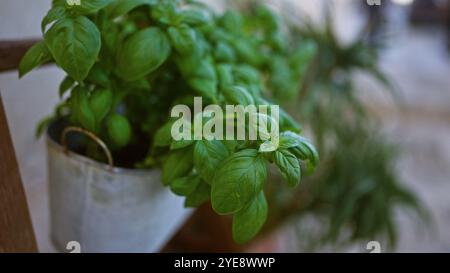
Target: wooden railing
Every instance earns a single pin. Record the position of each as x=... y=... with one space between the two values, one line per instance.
x=16 y=230
x=12 y=51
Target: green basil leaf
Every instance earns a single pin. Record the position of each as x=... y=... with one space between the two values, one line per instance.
x=178 y=164
x=199 y=196
x=247 y=74
x=90 y=6
x=282 y=80
x=305 y=153
x=237 y=181
x=43 y=125
x=287 y=123
x=204 y=87
x=163 y=136
x=208 y=155
x=183 y=39
x=268 y=146
x=204 y=79
x=200 y=74
x=237 y=95
x=61 y=3
x=249 y=220
x=142 y=53
x=121 y=7
x=100 y=103
x=62 y=108
x=37 y=55
x=232 y=21
x=304 y=54
x=268 y=18
x=54 y=14
x=186 y=185
x=224 y=53
x=247 y=52
x=231 y=145
x=75 y=44
x=65 y=85
x=289 y=167
x=98 y=76
x=80 y=106
x=288 y=140
x=119 y=130
x=300 y=146
x=225 y=74
x=278 y=41
x=300 y=153
x=217 y=34
x=166 y=12
x=181 y=144
x=195 y=17
x=142 y=84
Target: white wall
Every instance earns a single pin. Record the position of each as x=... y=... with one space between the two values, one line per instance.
x=26 y=101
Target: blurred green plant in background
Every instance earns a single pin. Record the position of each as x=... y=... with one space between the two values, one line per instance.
x=355 y=195
x=355 y=192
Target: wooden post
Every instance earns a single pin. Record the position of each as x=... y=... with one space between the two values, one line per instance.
x=16 y=231
x=11 y=52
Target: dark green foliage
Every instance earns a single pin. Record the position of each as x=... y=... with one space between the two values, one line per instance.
x=128 y=62
x=355 y=190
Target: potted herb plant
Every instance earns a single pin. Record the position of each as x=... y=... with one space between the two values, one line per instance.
x=354 y=193
x=111 y=144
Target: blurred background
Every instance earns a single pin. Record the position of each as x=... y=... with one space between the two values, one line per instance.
x=379 y=87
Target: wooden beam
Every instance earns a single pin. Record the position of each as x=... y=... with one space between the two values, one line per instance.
x=16 y=231
x=11 y=52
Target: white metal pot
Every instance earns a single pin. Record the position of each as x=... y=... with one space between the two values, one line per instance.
x=108 y=209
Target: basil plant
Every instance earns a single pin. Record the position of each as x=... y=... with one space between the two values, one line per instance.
x=128 y=62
